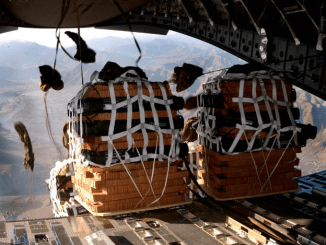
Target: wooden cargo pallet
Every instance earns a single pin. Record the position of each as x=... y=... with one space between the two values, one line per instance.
x=250 y=171
x=134 y=210
x=244 y=197
x=278 y=177
x=246 y=158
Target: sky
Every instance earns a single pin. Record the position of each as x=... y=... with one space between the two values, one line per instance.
x=46 y=37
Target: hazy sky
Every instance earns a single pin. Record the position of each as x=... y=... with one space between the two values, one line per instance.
x=47 y=37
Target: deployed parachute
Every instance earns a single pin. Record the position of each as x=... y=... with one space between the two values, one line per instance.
x=185 y=76
x=50 y=78
x=83 y=53
x=24 y=137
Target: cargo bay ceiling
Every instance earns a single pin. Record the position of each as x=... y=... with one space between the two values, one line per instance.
x=284 y=35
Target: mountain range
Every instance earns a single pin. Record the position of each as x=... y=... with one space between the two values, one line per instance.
x=312 y=111
x=19 y=60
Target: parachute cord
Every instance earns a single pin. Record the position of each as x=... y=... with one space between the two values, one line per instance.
x=130 y=29
x=280 y=157
x=49 y=128
x=209 y=72
x=79 y=42
x=141 y=160
x=167 y=173
x=150 y=183
x=265 y=163
x=206 y=167
x=252 y=156
x=127 y=170
x=295 y=155
x=64 y=10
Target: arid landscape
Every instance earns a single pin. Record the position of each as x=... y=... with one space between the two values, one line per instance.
x=24 y=194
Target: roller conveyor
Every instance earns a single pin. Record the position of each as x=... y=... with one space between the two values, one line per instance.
x=298 y=217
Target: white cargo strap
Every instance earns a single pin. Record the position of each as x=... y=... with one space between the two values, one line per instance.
x=94 y=77
x=129 y=115
x=74 y=208
x=274 y=124
x=156 y=120
x=142 y=119
x=112 y=123
x=242 y=115
x=69 y=130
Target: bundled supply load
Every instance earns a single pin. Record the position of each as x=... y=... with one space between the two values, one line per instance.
x=125 y=142
x=248 y=135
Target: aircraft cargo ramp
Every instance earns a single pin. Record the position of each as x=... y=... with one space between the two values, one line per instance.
x=298 y=217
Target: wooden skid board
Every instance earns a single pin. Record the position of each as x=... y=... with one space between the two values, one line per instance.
x=245 y=186
x=102 y=90
x=120 y=167
x=128 y=200
x=279 y=178
x=285 y=161
x=139 y=180
x=100 y=207
x=133 y=210
x=103 y=145
x=107 y=197
x=250 y=170
x=228 y=196
x=243 y=159
x=120 y=189
x=123 y=174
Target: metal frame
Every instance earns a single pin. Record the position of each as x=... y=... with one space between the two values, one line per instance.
x=296 y=62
